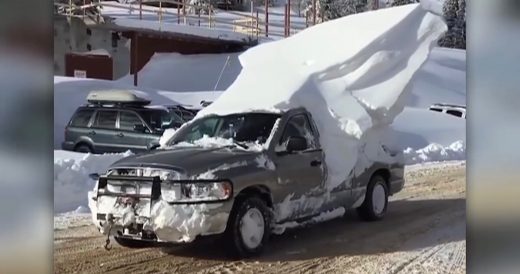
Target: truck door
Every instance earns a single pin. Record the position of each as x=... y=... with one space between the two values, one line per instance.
x=300 y=172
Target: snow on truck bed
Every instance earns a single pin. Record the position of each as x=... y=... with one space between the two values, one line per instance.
x=354 y=86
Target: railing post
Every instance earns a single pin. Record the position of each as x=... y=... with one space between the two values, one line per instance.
x=288 y=17
x=257 y=28
x=140 y=9
x=184 y=10
x=285 y=21
x=178 y=14
x=160 y=13
x=266 y=18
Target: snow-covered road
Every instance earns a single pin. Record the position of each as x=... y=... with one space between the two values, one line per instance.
x=424 y=231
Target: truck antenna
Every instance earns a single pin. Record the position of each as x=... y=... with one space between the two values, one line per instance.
x=221 y=72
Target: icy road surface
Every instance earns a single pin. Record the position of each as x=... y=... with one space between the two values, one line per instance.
x=424 y=231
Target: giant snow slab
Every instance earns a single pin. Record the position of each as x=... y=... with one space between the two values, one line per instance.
x=352 y=74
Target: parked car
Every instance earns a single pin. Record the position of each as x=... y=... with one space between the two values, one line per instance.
x=455 y=110
x=182 y=193
x=117 y=121
x=184 y=113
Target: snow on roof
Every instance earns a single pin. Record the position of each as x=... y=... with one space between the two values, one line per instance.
x=182 y=29
x=352 y=74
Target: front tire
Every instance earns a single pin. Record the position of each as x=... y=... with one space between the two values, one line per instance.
x=248 y=228
x=83 y=148
x=376 y=200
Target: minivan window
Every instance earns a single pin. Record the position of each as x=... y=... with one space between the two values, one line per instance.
x=106 y=119
x=157 y=119
x=128 y=120
x=81 y=118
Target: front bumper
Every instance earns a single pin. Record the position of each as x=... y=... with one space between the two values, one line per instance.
x=149 y=218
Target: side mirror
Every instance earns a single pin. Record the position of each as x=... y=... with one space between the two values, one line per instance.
x=93 y=176
x=296 y=143
x=139 y=128
x=153 y=145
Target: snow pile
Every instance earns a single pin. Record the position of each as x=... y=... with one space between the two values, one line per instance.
x=348 y=86
x=435 y=152
x=174 y=71
x=183 y=223
x=71 y=177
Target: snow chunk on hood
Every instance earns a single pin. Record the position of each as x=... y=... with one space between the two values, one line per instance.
x=349 y=78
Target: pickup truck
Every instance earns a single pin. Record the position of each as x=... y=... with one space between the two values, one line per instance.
x=238 y=176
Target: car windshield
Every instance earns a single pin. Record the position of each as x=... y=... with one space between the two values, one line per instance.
x=241 y=128
x=160 y=119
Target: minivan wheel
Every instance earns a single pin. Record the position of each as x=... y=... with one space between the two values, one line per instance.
x=248 y=228
x=83 y=148
x=376 y=200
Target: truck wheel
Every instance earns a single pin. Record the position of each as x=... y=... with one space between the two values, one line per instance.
x=376 y=200
x=83 y=148
x=248 y=228
x=131 y=243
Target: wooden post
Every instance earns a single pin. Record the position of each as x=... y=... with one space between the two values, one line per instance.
x=376 y=4
x=199 y=18
x=178 y=14
x=257 y=29
x=84 y=9
x=285 y=21
x=288 y=17
x=252 y=16
x=314 y=11
x=140 y=9
x=184 y=10
x=136 y=57
x=160 y=13
x=266 y=18
x=209 y=16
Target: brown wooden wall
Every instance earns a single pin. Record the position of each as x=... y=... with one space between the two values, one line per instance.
x=96 y=66
x=148 y=45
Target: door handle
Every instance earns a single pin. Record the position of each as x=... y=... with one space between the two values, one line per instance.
x=92 y=133
x=120 y=135
x=315 y=162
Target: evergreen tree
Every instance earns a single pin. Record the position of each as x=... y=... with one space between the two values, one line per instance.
x=332 y=9
x=403 y=2
x=455 y=15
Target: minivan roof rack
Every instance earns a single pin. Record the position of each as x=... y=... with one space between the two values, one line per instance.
x=116 y=97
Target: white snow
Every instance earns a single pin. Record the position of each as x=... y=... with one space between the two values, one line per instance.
x=71 y=177
x=348 y=86
x=174 y=71
x=436 y=152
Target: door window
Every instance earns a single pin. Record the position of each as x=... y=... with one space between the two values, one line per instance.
x=106 y=119
x=81 y=118
x=299 y=126
x=128 y=121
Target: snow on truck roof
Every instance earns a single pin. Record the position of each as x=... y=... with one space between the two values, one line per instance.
x=353 y=80
x=116 y=97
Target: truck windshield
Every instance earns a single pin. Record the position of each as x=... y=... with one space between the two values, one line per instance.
x=243 y=128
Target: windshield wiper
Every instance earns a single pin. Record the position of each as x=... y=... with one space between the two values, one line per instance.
x=240 y=144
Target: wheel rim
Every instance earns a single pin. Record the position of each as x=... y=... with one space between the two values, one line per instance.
x=252 y=228
x=378 y=199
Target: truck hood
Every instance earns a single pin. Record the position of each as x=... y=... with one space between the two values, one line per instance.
x=190 y=160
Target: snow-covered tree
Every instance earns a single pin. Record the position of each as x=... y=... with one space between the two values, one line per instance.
x=403 y=2
x=454 y=12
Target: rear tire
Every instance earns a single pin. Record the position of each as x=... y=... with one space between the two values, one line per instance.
x=248 y=228
x=83 y=148
x=376 y=200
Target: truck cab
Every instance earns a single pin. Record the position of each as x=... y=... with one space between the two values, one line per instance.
x=241 y=176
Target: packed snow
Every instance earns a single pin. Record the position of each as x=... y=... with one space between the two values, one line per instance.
x=71 y=177
x=349 y=86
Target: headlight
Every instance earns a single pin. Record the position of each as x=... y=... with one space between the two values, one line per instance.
x=196 y=191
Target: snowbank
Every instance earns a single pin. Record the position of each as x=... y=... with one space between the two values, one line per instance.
x=71 y=177
x=348 y=86
x=174 y=71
